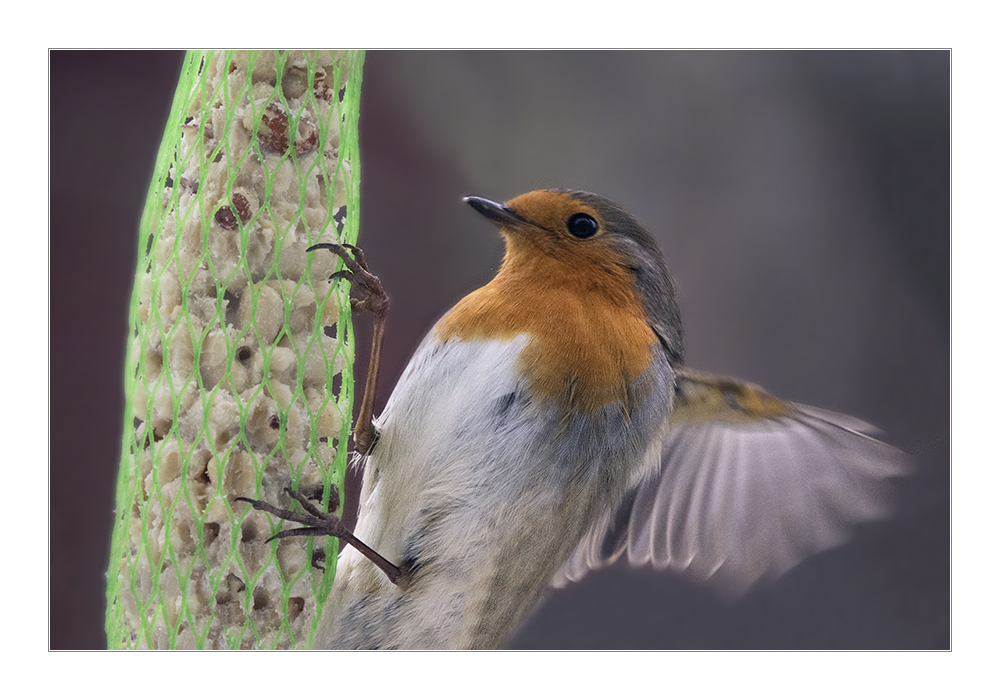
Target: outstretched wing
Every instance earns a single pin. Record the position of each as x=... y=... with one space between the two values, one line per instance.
x=748 y=486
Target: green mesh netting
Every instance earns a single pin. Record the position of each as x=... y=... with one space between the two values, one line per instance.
x=238 y=381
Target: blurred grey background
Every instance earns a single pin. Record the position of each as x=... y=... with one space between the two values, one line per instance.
x=801 y=199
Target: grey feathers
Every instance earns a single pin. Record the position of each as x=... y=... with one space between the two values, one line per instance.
x=735 y=503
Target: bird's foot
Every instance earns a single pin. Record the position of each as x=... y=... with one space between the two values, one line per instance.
x=371 y=296
x=320 y=524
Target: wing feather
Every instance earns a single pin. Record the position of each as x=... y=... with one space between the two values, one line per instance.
x=743 y=498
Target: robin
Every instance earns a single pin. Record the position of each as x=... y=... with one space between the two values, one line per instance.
x=547 y=426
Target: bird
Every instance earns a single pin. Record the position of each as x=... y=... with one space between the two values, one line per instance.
x=547 y=426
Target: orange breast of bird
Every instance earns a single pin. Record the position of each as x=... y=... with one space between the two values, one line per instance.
x=588 y=340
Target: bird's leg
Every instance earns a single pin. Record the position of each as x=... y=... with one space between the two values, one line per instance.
x=371 y=298
x=318 y=523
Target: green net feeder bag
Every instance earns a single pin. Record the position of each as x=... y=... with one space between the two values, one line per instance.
x=238 y=379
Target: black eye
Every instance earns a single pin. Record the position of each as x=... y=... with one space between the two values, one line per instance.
x=582 y=225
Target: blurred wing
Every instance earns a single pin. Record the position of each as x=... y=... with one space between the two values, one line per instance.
x=748 y=486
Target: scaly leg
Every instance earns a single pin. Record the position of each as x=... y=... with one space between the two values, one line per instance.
x=319 y=523
x=372 y=298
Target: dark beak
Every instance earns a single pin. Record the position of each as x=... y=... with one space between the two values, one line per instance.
x=502 y=216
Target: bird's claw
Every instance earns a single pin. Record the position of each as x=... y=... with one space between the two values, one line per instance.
x=371 y=295
x=319 y=523
x=316 y=522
